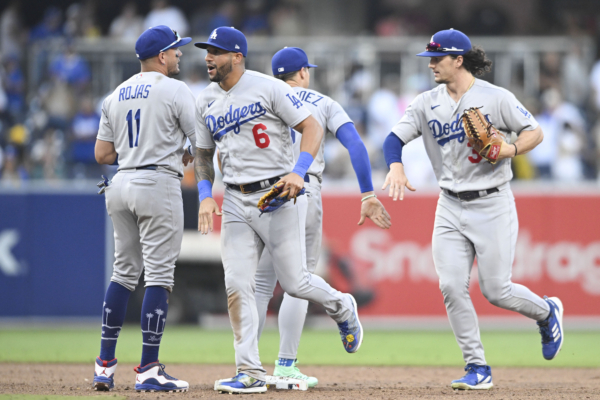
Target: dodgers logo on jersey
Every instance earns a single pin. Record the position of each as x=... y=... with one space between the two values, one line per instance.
x=448 y=131
x=232 y=121
x=453 y=130
x=524 y=112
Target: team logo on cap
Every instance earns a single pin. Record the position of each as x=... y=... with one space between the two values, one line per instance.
x=237 y=47
x=214 y=34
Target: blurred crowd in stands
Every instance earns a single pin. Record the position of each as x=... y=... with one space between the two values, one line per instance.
x=48 y=131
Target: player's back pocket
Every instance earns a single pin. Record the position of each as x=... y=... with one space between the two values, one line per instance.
x=143 y=181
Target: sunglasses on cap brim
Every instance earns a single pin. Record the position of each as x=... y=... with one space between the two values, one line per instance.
x=175 y=42
x=433 y=46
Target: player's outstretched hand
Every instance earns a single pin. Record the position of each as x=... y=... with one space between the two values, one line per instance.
x=205 y=215
x=294 y=183
x=373 y=209
x=397 y=181
x=187 y=158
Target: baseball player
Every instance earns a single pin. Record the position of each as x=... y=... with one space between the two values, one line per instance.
x=476 y=214
x=146 y=121
x=247 y=115
x=291 y=66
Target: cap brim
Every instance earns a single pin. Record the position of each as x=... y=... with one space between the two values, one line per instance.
x=204 y=45
x=312 y=65
x=432 y=54
x=182 y=42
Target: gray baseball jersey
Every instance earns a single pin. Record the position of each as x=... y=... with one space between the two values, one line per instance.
x=249 y=124
x=148 y=118
x=436 y=116
x=484 y=228
x=329 y=114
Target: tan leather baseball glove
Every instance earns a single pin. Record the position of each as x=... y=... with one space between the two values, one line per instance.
x=485 y=139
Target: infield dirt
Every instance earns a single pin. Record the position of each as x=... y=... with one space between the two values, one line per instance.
x=334 y=382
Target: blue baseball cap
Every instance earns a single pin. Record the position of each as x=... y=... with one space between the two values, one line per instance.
x=226 y=38
x=447 y=42
x=289 y=59
x=157 y=39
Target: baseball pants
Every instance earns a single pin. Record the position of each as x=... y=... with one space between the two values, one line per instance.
x=244 y=235
x=292 y=312
x=146 y=209
x=485 y=228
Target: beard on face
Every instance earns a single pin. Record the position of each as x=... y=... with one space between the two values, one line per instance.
x=173 y=71
x=222 y=72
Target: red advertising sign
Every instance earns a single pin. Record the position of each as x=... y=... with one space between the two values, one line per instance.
x=557 y=254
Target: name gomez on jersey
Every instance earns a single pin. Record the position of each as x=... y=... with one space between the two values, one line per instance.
x=250 y=126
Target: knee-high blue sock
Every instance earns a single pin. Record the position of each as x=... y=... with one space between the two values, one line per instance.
x=113 y=316
x=154 y=318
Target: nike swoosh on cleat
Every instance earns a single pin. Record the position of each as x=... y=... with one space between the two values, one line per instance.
x=210 y=104
x=432 y=107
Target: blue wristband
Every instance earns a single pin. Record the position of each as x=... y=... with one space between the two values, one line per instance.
x=204 y=189
x=303 y=164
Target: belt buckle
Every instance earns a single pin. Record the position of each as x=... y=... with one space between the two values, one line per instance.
x=469 y=196
x=244 y=191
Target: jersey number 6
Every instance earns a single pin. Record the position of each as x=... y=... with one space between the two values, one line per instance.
x=261 y=138
x=130 y=127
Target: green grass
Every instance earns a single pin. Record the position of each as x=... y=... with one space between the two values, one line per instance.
x=194 y=345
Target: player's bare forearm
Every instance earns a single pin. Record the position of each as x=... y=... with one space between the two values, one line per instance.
x=312 y=135
x=105 y=152
x=527 y=141
x=204 y=167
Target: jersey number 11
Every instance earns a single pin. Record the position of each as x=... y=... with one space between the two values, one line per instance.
x=130 y=127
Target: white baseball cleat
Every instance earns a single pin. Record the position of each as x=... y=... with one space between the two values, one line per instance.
x=241 y=383
x=104 y=374
x=153 y=378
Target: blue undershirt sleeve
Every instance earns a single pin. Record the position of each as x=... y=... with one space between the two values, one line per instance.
x=392 y=149
x=351 y=140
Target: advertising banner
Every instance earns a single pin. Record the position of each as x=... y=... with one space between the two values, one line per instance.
x=392 y=271
x=52 y=254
